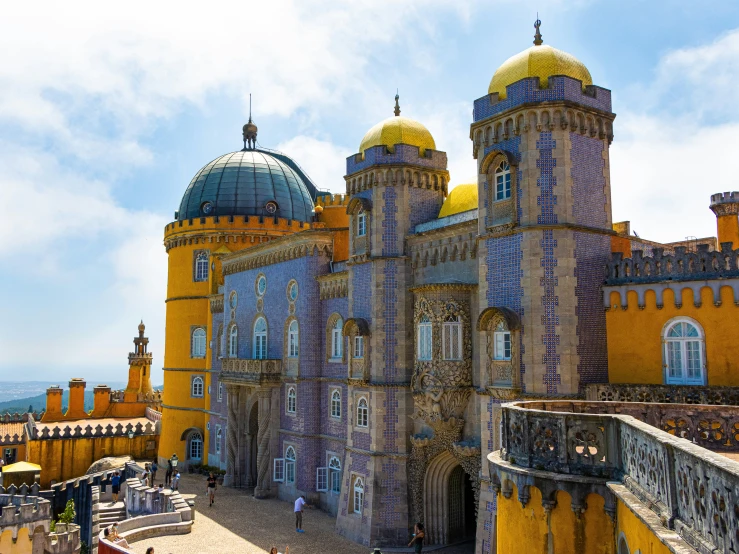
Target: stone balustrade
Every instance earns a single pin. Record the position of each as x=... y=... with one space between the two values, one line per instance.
x=144 y=500
x=693 y=490
x=15 y=417
x=240 y=371
x=664 y=394
x=67 y=432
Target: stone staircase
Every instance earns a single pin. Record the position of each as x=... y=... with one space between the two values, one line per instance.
x=108 y=513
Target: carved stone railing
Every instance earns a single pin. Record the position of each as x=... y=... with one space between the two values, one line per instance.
x=692 y=490
x=7 y=417
x=664 y=394
x=61 y=431
x=682 y=266
x=239 y=371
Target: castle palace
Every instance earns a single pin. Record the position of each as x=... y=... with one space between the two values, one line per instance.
x=359 y=348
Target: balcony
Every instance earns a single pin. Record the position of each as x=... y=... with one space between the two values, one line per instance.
x=238 y=371
x=664 y=394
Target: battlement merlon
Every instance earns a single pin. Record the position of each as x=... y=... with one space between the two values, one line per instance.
x=725 y=203
x=329 y=200
x=28 y=512
x=235 y=223
x=526 y=91
x=400 y=154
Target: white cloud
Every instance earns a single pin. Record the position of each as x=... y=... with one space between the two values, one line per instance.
x=323 y=161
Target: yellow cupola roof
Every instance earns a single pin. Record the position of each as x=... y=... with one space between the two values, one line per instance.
x=541 y=60
x=462 y=198
x=398 y=130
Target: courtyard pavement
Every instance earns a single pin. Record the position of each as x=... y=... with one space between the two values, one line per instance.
x=238 y=523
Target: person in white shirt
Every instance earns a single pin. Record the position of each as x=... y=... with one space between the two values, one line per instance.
x=299 y=504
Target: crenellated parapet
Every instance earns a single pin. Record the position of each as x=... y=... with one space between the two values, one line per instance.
x=64 y=540
x=7 y=417
x=24 y=512
x=50 y=432
x=332 y=200
x=219 y=230
x=725 y=203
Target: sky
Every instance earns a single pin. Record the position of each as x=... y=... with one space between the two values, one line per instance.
x=107 y=110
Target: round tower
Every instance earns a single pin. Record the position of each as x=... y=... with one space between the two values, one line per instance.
x=238 y=200
x=726 y=207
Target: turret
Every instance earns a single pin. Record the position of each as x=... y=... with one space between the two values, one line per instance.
x=139 y=371
x=726 y=207
x=76 y=409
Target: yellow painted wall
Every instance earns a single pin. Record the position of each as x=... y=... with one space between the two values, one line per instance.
x=530 y=529
x=727 y=229
x=635 y=351
x=638 y=535
x=22 y=544
x=62 y=459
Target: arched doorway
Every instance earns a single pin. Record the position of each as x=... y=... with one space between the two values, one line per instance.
x=449 y=501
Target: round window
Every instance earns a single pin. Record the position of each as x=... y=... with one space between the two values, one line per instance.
x=292 y=291
x=206 y=208
x=233 y=300
x=261 y=285
x=271 y=207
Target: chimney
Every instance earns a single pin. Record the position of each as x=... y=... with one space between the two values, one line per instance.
x=53 y=404
x=76 y=408
x=726 y=207
x=102 y=401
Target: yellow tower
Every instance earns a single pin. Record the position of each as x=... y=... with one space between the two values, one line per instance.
x=238 y=200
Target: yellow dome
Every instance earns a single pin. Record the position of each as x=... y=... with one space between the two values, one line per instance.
x=462 y=198
x=541 y=61
x=398 y=130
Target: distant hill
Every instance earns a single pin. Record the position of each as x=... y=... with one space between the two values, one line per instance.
x=38 y=403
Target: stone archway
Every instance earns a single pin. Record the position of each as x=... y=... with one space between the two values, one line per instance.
x=447 y=496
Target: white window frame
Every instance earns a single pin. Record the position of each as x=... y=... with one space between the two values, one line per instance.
x=321 y=479
x=293 y=339
x=197 y=348
x=260 y=340
x=197 y=387
x=290 y=465
x=335 y=404
x=334 y=471
x=337 y=339
x=233 y=342
x=220 y=392
x=278 y=470
x=195 y=442
x=201 y=267
x=502 y=182
x=219 y=437
x=683 y=352
x=452 y=338
x=291 y=403
x=502 y=344
x=361 y=224
x=358 y=497
x=425 y=336
x=362 y=412
x=358 y=347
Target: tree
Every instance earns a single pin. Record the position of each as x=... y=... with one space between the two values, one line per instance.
x=67 y=516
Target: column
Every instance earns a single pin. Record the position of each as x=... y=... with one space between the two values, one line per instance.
x=232 y=438
x=263 y=448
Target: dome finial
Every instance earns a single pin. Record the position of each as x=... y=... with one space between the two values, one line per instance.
x=250 y=131
x=397 y=106
x=537 y=36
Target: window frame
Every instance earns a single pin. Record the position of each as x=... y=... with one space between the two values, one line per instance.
x=196 y=342
x=425 y=338
x=358 y=494
x=260 y=339
x=291 y=400
x=447 y=332
x=362 y=412
x=233 y=341
x=220 y=391
x=195 y=439
x=293 y=339
x=219 y=437
x=358 y=350
x=278 y=470
x=201 y=275
x=197 y=381
x=337 y=340
x=362 y=224
x=334 y=474
x=336 y=414
x=290 y=476
x=503 y=189
x=684 y=354
x=501 y=336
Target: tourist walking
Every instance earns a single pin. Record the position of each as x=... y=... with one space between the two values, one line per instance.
x=154 y=468
x=211 y=489
x=115 y=483
x=418 y=536
x=273 y=550
x=176 y=481
x=300 y=503
x=168 y=475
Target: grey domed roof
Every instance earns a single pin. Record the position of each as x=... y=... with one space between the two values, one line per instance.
x=244 y=182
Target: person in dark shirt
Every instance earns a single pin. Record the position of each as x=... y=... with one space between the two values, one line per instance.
x=211 y=489
x=418 y=536
x=168 y=475
x=115 y=482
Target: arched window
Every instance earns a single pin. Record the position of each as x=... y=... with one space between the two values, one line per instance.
x=290 y=465
x=292 y=340
x=503 y=181
x=362 y=412
x=201 y=267
x=196 y=446
x=292 y=400
x=452 y=338
x=197 y=387
x=424 y=338
x=233 y=342
x=361 y=224
x=358 y=495
x=501 y=342
x=260 y=339
x=337 y=338
x=198 y=343
x=334 y=468
x=219 y=436
x=623 y=546
x=684 y=352
x=336 y=403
